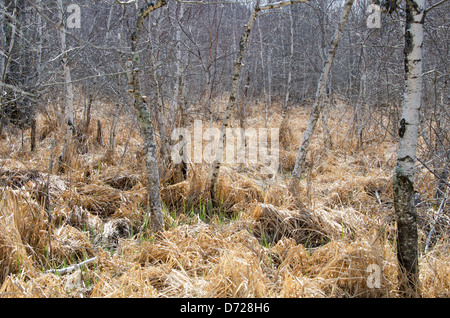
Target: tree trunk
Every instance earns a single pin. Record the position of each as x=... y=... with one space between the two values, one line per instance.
x=69 y=118
x=88 y=113
x=403 y=179
x=113 y=133
x=264 y=66
x=183 y=114
x=159 y=109
x=442 y=181
x=145 y=122
x=317 y=107
x=360 y=111
x=9 y=32
x=33 y=133
x=175 y=104
x=291 y=58
x=99 y=137
x=231 y=102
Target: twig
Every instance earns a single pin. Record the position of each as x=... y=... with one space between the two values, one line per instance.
x=71 y=268
x=434 y=6
x=440 y=210
x=423 y=164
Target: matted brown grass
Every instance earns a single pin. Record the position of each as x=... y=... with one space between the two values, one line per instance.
x=269 y=237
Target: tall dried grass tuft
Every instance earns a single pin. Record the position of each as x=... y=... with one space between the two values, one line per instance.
x=311 y=228
x=345 y=269
x=238 y=274
x=23 y=229
x=435 y=272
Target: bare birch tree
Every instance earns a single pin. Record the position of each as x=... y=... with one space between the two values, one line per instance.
x=291 y=60
x=403 y=179
x=69 y=99
x=231 y=102
x=232 y=99
x=318 y=102
x=145 y=122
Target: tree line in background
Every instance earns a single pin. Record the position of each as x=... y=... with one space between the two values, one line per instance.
x=161 y=61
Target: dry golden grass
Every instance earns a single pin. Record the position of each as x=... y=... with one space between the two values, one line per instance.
x=269 y=237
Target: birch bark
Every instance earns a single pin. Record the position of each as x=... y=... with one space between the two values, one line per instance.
x=231 y=102
x=69 y=115
x=145 y=122
x=403 y=179
x=291 y=58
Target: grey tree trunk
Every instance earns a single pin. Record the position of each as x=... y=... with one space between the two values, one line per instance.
x=145 y=122
x=113 y=133
x=299 y=167
x=160 y=114
x=7 y=59
x=231 y=102
x=87 y=116
x=176 y=101
x=291 y=58
x=69 y=117
x=403 y=179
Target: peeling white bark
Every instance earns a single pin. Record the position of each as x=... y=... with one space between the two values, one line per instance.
x=403 y=179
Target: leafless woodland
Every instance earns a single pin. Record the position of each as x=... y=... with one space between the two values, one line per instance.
x=92 y=91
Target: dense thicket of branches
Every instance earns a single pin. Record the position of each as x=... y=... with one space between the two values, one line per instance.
x=202 y=41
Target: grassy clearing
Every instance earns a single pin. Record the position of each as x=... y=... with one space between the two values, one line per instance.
x=269 y=237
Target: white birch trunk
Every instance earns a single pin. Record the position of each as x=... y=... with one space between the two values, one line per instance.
x=403 y=179
x=291 y=58
x=69 y=115
x=231 y=103
x=317 y=107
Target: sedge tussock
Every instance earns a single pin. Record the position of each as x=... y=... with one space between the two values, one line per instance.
x=102 y=200
x=71 y=245
x=22 y=231
x=180 y=283
x=345 y=267
x=184 y=248
x=435 y=272
x=79 y=218
x=232 y=192
x=299 y=286
x=311 y=228
x=288 y=256
x=120 y=178
x=137 y=282
x=42 y=286
x=238 y=274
